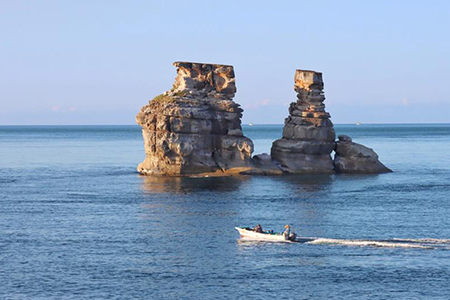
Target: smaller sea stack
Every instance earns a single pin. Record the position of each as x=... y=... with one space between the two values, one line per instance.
x=308 y=133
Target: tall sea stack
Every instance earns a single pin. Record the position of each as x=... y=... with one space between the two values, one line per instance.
x=308 y=133
x=196 y=126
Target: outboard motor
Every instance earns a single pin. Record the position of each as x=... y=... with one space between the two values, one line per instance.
x=292 y=237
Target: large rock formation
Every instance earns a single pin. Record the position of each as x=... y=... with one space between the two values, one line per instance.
x=308 y=134
x=355 y=158
x=196 y=126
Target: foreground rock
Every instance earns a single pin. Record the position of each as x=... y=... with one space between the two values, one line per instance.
x=355 y=158
x=308 y=134
x=195 y=127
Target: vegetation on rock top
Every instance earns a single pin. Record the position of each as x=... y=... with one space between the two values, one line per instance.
x=162 y=98
x=167 y=98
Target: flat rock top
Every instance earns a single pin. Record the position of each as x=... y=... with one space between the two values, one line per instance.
x=190 y=63
x=306 y=79
x=307 y=71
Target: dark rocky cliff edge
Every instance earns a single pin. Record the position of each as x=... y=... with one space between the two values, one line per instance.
x=194 y=129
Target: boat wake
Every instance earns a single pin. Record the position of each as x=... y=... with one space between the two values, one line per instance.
x=82 y=194
x=392 y=243
x=247 y=234
x=427 y=241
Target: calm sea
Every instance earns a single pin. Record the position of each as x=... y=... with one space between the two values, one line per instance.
x=78 y=222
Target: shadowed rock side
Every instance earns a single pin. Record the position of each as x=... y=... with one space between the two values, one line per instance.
x=196 y=126
x=355 y=158
x=308 y=134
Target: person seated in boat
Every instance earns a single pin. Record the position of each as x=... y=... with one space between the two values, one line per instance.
x=258 y=228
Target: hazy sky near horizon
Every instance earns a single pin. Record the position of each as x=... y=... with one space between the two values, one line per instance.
x=99 y=62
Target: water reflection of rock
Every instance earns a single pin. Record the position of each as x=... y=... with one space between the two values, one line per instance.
x=187 y=185
x=307 y=184
x=220 y=203
x=302 y=203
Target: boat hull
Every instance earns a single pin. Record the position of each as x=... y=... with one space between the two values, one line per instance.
x=256 y=236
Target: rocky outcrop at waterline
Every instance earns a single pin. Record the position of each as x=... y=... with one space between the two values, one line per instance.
x=195 y=129
x=355 y=158
x=196 y=126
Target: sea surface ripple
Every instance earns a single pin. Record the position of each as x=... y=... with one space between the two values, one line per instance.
x=78 y=222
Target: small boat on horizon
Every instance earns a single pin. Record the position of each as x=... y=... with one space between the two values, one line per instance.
x=250 y=124
x=358 y=123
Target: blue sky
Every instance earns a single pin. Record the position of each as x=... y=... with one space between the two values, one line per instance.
x=99 y=62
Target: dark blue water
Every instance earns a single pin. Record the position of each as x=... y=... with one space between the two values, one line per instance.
x=77 y=221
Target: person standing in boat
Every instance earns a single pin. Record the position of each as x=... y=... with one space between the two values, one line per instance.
x=258 y=228
x=287 y=231
x=288 y=235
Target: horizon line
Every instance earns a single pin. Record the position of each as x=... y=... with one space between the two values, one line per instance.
x=246 y=124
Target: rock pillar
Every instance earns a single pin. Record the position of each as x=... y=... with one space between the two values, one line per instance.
x=308 y=133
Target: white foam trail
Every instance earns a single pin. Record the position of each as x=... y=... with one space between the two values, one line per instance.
x=427 y=241
x=368 y=243
x=82 y=194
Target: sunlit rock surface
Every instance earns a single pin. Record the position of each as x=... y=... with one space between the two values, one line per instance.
x=195 y=127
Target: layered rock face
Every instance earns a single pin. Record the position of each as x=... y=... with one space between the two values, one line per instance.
x=355 y=158
x=196 y=126
x=308 y=134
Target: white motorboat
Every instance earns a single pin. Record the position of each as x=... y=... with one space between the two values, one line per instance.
x=250 y=234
